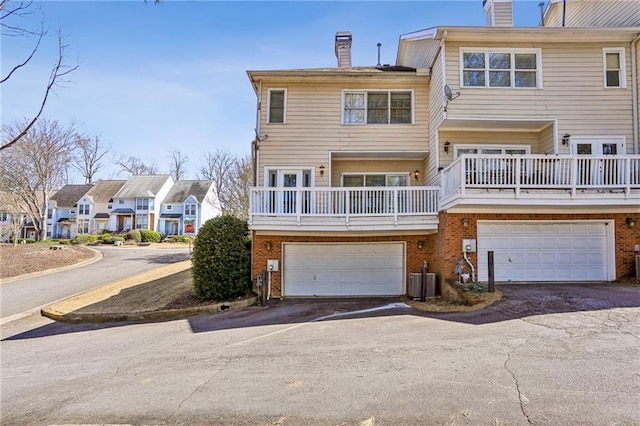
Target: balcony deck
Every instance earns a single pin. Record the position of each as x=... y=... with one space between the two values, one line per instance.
x=542 y=180
x=320 y=209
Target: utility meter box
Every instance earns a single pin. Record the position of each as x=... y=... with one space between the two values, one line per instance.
x=469 y=246
x=273 y=265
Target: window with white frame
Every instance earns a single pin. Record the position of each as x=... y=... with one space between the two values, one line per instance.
x=120 y=201
x=377 y=107
x=142 y=204
x=190 y=209
x=276 y=110
x=614 y=67
x=354 y=180
x=83 y=209
x=142 y=221
x=169 y=207
x=501 y=68
x=83 y=226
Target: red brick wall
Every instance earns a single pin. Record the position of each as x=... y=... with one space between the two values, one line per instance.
x=414 y=256
x=452 y=232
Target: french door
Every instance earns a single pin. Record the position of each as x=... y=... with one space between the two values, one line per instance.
x=598 y=171
x=288 y=182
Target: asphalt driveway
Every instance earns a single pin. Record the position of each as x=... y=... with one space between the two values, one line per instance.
x=548 y=354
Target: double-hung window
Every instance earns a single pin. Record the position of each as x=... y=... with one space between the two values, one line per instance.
x=190 y=209
x=142 y=204
x=614 y=67
x=377 y=107
x=277 y=107
x=501 y=68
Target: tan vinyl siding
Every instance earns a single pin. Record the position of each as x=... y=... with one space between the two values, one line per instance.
x=595 y=13
x=573 y=78
x=376 y=166
x=546 y=141
x=436 y=106
x=313 y=128
x=532 y=139
x=503 y=14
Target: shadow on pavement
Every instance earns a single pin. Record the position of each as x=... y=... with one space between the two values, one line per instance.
x=519 y=301
x=163 y=258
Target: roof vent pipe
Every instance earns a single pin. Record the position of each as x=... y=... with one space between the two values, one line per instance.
x=541 y=6
x=379 y=46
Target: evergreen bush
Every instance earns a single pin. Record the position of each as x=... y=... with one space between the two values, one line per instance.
x=221 y=261
x=84 y=239
x=134 y=235
x=149 y=236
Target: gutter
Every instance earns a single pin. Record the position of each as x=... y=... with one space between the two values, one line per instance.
x=634 y=95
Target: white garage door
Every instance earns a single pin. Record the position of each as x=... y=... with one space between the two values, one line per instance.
x=343 y=269
x=544 y=251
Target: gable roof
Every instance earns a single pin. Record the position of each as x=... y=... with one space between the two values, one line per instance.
x=142 y=186
x=182 y=189
x=104 y=190
x=68 y=195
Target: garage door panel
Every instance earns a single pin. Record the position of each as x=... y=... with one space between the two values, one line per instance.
x=342 y=269
x=568 y=251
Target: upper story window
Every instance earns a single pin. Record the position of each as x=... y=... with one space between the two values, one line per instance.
x=142 y=204
x=276 y=110
x=49 y=213
x=374 y=179
x=460 y=149
x=190 y=209
x=120 y=201
x=83 y=208
x=169 y=207
x=377 y=107
x=614 y=67
x=501 y=68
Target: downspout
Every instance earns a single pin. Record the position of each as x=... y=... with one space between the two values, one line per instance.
x=634 y=95
x=255 y=149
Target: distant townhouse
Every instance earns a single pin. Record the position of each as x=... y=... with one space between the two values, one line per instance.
x=137 y=204
x=187 y=206
x=92 y=213
x=63 y=210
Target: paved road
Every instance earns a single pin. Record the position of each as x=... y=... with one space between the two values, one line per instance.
x=546 y=355
x=118 y=262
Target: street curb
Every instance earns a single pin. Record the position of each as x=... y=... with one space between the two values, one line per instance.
x=168 y=314
x=96 y=257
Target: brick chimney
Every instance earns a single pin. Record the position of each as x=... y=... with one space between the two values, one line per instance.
x=499 y=12
x=343 y=49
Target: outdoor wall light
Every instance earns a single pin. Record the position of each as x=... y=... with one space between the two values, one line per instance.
x=465 y=222
x=420 y=244
x=566 y=138
x=321 y=170
x=446 y=146
x=630 y=222
x=268 y=245
x=416 y=174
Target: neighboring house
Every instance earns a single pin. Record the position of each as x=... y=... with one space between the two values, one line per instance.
x=187 y=206
x=63 y=207
x=92 y=213
x=137 y=204
x=522 y=142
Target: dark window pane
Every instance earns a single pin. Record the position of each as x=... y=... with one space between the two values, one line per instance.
x=401 y=107
x=377 y=107
x=501 y=61
x=526 y=61
x=525 y=79
x=613 y=79
x=473 y=60
x=473 y=78
x=276 y=107
x=499 y=79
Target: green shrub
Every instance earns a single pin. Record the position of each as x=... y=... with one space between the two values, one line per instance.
x=47 y=242
x=149 y=236
x=64 y=241
x=179 y=238
x=111 y=240
x=221 y=262
x=104 y=235
x=84 y=239
x=135 y=235
x=26 y=240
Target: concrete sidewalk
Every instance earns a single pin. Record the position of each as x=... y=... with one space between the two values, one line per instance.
x=144 y=296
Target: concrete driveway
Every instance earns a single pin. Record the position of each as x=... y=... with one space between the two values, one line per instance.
x=554 y=354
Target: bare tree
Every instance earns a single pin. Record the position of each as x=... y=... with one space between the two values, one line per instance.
x=178 y=164
x=217 y=167
x=135 y=166
x=236 y=194
x=37 y=165
x=88 y=157
x=14 y=217
x=10 y=11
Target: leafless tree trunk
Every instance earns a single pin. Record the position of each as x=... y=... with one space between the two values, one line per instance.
x=237 y=192
x=15 y=217
x=178 y=165
x=217 y=167
x=37 y=165
x=89 y=154
x=135 y=166
x=10 y=11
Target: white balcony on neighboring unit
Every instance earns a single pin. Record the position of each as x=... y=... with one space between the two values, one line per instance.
x=541 y=180
x=344 y=209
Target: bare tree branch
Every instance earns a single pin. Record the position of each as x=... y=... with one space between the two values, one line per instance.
x=135 y=166
x=89 y=154
x=178 y=164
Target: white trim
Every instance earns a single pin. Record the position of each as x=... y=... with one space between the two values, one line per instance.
x=513 y=51
x=365 y=91
x=288 y=169
x=429 y=33
x=620 y=140
x=284 y=112
x=623 y=66
x=479 y=146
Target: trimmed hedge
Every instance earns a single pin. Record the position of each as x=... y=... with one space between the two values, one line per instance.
x=221 y=261
x=179 y=238
x=85 y=239
x=103 y=236
x=134 y=235
x=111 y=240
x=149 y=236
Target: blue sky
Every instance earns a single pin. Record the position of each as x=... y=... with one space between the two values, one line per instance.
x=155 y=78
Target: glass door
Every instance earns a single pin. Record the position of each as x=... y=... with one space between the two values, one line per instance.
x=598 y=171
x=288 y=180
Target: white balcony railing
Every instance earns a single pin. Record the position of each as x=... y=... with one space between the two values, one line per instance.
x=344 y=202
x=521 y=172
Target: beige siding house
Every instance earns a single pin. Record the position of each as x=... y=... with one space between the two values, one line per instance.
x=521 y=143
